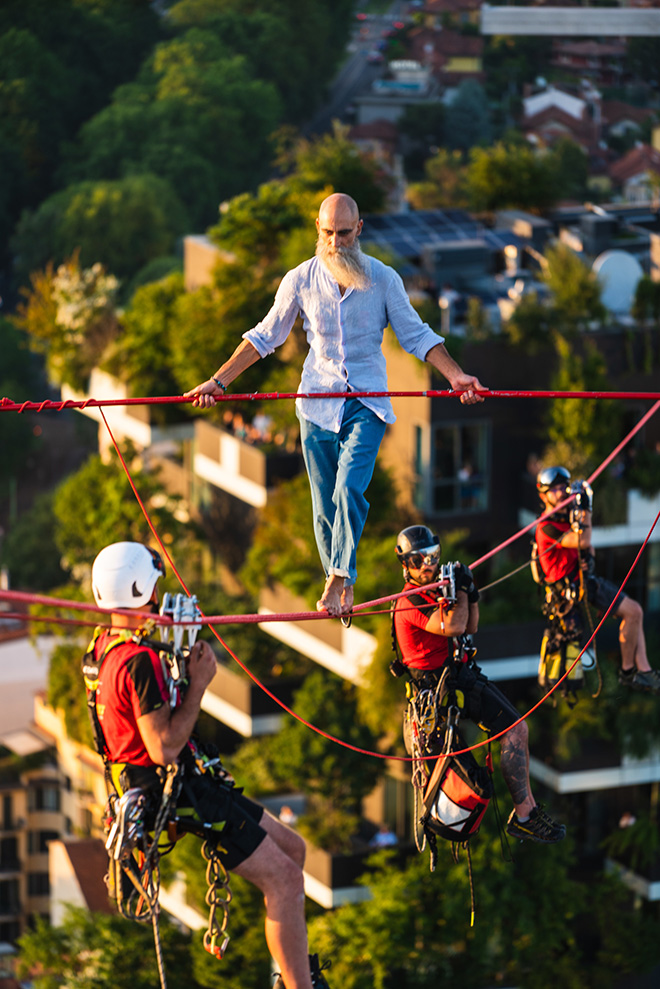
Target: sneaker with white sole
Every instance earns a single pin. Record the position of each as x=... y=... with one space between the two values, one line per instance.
x=539 y=826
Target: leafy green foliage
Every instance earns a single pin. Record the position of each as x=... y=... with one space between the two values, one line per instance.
x=66 y=691
x=580 y=430
x=104 y=951
x=122 y=223
x=141 y=355
x=68 y=315
x=332 y=163
x=96 y=506
x=335 y=776
x=536 y=924
x=468 y=117
x=574 y=288
x=510 y=176
x=444 y=185
x=30 y=551
x=17 y=378
x=196 y=117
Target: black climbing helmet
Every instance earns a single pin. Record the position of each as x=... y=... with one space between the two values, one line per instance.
x=552 y=477
x=416 y=545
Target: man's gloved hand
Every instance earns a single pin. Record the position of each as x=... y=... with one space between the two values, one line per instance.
x=465 y=582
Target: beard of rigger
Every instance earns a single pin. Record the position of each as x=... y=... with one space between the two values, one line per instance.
x=345 y=264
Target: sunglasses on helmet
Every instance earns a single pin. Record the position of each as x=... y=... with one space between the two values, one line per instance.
x=429 y=556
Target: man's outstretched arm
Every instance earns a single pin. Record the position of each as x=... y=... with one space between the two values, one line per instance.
x=206 y=393
x=440 y=359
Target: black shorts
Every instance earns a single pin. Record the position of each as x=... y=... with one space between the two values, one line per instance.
x=223 y=816
x=601 y=593
x=485 y=704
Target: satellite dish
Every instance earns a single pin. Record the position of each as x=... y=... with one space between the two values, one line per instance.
x=618 y=274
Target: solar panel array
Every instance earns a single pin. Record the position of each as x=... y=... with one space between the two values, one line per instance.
x=407 y=234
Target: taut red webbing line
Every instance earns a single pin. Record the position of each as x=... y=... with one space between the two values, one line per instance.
x=7 y=405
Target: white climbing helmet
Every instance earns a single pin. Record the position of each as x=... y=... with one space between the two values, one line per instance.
x=125 y=574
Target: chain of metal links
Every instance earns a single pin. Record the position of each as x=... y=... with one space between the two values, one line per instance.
x=218 y=897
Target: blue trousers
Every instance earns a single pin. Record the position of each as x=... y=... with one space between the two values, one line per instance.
x=340 y=467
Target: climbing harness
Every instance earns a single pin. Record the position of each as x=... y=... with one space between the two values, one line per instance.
x=136 y=819
x=566 y=607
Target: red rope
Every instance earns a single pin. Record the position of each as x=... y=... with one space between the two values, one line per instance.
x=7 y=405
x=21 y=596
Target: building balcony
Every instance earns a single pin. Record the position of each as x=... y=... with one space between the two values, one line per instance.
x=242 y=469
x=127 y=422
x=345 y=651
x=331 y=877
x=504 y=652
x=242 y=705
x=644 y=883
x=599 y=765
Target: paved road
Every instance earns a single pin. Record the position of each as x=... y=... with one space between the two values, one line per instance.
x=357 y=73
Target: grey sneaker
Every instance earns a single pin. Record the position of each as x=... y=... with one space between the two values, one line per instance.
x=539 y=826
x=642 y=681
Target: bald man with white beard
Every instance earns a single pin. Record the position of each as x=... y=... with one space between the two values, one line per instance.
x=346 y=299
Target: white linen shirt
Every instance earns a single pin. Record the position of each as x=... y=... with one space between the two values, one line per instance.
x=345 y=335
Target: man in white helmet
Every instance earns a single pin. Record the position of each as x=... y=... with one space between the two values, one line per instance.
x=145 y=728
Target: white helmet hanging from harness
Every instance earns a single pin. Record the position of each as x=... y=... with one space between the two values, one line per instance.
x=124 y=575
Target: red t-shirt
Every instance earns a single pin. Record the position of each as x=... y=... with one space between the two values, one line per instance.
x=131 y=683
x=420 y=649
x=556 y=561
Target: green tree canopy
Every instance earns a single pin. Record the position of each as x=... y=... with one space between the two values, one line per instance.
x=332 y=163
x=17 y=379
x=122 y=224
x=574 y=289
x=580 y=431
x=467 y=120
x=196 y=116
x=29 y=550
x=335 y=776
x=96 y=506
x=506 y=176
x=537 y=924
x=141 y=354
x=68 y=315
x=444 y=184
x=281 y=38
x=120 y=954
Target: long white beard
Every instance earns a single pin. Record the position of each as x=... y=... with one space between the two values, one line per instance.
x=345 y=264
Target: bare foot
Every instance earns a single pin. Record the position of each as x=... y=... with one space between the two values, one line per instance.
x=347 y=599
x=330 y=600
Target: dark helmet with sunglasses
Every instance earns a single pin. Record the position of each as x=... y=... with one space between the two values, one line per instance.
x=417 y=546
x=553 y=477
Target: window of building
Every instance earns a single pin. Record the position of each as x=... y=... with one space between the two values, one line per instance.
x=38 y=841
x=9 y=902
x=7 y=812
x=44 y=796
x=460 y=470
x=38 y=884
x=8 y=854
x=10 y=931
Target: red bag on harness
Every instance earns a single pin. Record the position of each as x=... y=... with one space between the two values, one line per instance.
x=456 y=797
